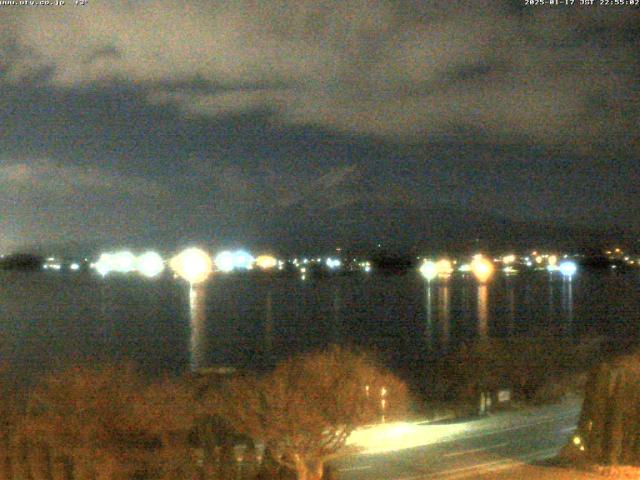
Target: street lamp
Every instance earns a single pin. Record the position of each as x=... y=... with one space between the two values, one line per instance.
x=195 y=266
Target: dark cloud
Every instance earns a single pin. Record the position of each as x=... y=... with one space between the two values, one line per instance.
x=226 y=110
x=387 y=68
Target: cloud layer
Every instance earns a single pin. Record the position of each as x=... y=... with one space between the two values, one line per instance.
x=408 y=69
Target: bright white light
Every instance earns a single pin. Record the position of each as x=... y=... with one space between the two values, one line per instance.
x=193 y=265
x=123 y=262
x=266 y=262
x=74 y=267
x=104 y=265
x=429 y=270
x=150 y=264
x=568 y=268
x=242 y=260
x=333 y=263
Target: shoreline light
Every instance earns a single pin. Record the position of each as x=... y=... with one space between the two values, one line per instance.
x=224 y=261
x=333 y=263
x=123 y=262
x=444 y=267
x=243 y=260
x=482 y=268
x=429 y=270
x=568 y=268
x=193 y=265
x=266 y=262
x=150 y=264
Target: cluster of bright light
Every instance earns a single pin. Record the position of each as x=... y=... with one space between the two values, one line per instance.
x=52 y=266
x=227 y=261
x=508 y=259
x=193 y=265
x=482 y=268
x=333 y=263
x=568 y=268
x=266 y=262
x=366 y=266
x=149 y=264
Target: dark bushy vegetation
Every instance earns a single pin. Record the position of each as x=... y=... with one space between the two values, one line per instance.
x=608 y=432
x=22 y=261
x=537 y=370
x=107 y=422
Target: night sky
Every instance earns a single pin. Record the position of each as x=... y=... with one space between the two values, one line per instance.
x=292 y=124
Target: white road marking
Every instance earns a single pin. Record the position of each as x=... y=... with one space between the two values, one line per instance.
x=354 y=469
x=475 y=450
x=483 y=468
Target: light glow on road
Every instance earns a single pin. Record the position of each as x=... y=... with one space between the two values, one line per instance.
x=396 y=436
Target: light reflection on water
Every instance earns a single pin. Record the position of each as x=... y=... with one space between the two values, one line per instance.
x=49 y=319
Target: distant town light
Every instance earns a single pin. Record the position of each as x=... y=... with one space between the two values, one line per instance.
x=552 y=260
x=74 y=267
x=150 y=264
x=193 y=264
x=429 y=270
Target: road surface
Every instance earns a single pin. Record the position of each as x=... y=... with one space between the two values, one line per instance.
x=460 y=449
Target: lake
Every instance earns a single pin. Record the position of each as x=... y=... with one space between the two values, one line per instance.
x=51 y=319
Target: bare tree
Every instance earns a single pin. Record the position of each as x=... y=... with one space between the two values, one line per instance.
x=309 y=405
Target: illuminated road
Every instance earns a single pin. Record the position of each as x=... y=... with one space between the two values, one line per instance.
x=462 y=449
